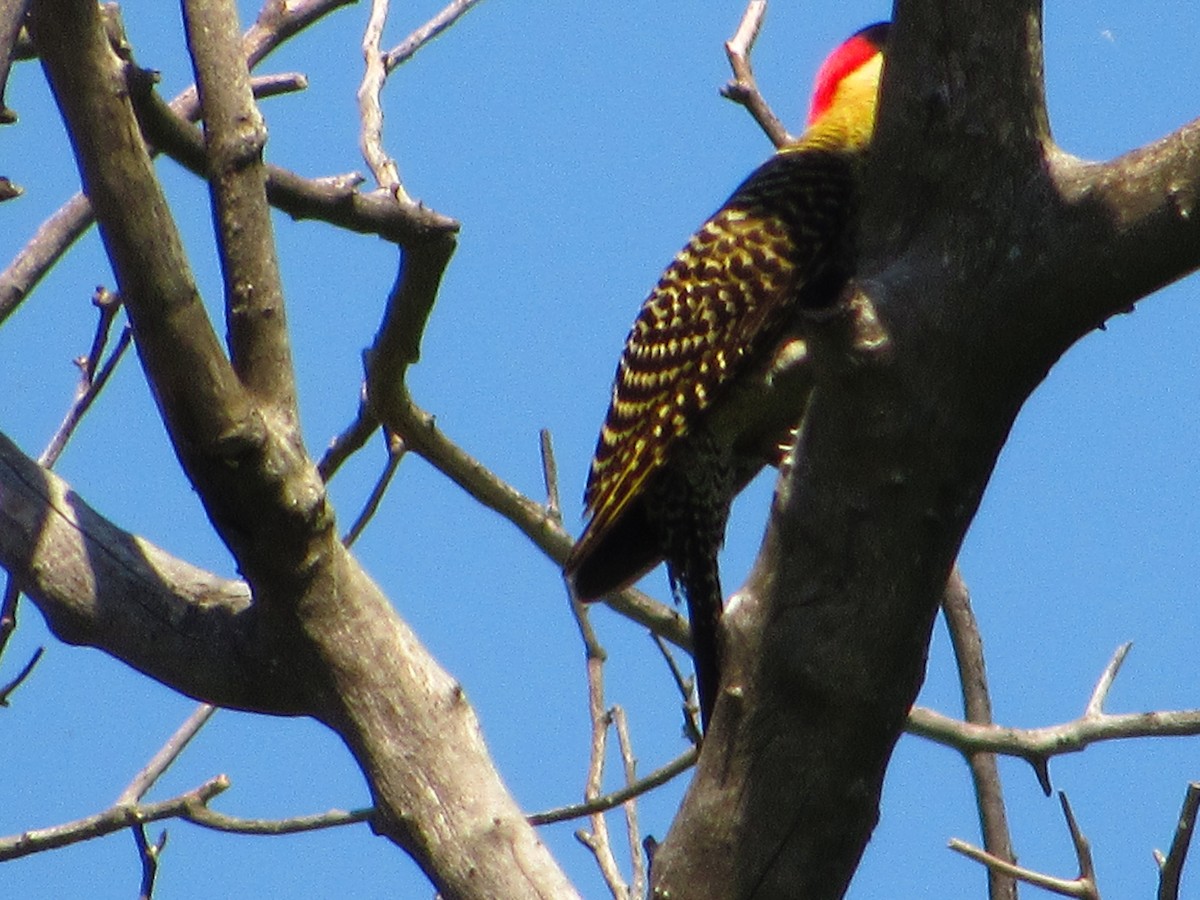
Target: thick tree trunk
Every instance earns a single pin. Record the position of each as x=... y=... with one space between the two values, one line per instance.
x=985 y=253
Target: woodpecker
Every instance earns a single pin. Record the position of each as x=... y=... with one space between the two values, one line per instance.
x=692 y=417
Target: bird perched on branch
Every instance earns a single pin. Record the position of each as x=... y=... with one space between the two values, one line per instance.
x=695 y=413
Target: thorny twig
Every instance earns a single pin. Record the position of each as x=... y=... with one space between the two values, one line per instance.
x=1083 y=887
x=1038 y=745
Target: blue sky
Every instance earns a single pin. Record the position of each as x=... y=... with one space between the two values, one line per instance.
x=579 y=148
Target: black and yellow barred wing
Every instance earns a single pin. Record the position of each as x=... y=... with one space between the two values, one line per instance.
x=723 y=301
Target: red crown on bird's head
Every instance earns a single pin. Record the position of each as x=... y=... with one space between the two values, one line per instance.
x=851 y=54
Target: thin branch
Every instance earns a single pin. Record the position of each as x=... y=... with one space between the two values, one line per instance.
x=1170 y=867
x=334 y=199
x=550 y=475
x=684 y=683
x=276 y=23
x=1083 y=887
x=977 y=707
x=637 y=885
x=370 y=112
x=334 y=818
x=350 y=441
x=1095 y=704
x=90 y=384
x=659 y=776
x=432 y=444
x=49 y=242
x=395 y=450
x=148 y=854
x=7 y=689
x=405 y=50
x=234 y=136
x=743 y=88
x=277 y=84
x=113 y=819
x=167 y=754
x=85 y=395
x=597 y=839
x=1037 y=745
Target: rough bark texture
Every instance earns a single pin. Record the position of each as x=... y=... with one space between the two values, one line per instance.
x=985 y=253
x=318 y=637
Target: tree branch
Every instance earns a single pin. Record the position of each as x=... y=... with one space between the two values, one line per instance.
x=235 y=135
x=112 y=819
x=1083 y=887
x=743 y=88
x=955 y=315
x=977 y=706
x=1038 y=745
x=1170 y=867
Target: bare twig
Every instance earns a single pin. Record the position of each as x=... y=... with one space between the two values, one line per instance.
x=148 y=854
x=691 y=712
x=1095 y=704
x=1083 y=887
x=382 y=166
x=350 y=441
x=85 y=395
x=396 y=450
x=113 y=819
x=1037 y=745
x=1170 y=867
x=264 y=86
x=659 y=776
x=190 y=807
x=334 y=818
x=167 y=754
x=7 y=689
x=404 y=51
x=596 y=840
x=977 y=707
x=276 y=23
x=743 y=88
x=637 y=884
x=550 y=475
